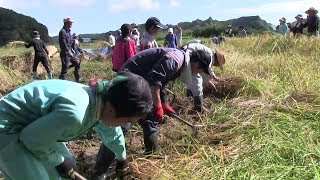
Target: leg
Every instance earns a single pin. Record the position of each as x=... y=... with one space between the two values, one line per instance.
x=34 y=67
x=150 y=134
x=76 y=73
x=64 y=65
x=45 y=64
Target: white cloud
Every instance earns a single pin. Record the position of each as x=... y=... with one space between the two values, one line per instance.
x=24 y=4
x=174 y=3
x=124 y=5
x=276 y=7
x=73 y=3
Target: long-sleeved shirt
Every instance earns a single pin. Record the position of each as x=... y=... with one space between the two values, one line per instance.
x=39 y=47
x=170 y=41
x=49 y=111
x=65 y=40
x=312 y=24
x=147 y=41
x=111 y=40
x=125 y=48
x=283 y=29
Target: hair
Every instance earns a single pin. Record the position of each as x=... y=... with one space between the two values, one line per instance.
x=131 y=97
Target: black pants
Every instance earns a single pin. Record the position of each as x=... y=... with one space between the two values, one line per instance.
x=44 y=61
x=65 y=61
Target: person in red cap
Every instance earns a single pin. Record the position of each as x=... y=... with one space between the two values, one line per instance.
x=153 y=25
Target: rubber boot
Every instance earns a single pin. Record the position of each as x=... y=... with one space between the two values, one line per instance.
x=189 y=93
x=34 y=73
x=150 y=143
x=105 y=159
x=198 y=102
x=50 y=75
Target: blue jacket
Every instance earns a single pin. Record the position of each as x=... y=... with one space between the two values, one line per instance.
x=48 y=111
x=65 y=41
x=170 y=41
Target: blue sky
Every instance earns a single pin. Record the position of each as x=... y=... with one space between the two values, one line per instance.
x=98 y=16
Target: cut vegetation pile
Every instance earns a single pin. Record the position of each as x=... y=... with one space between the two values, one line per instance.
x=264 y=122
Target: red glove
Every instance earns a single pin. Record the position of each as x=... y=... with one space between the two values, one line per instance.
x=168 y=109
x=158 y=112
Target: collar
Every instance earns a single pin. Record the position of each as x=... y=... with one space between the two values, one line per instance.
x=148 y=36
x=67 y=29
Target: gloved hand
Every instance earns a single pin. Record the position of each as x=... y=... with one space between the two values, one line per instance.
x=70 y=53
x=159 y=112
x=122 y=168
x=67 y=168
x=168 y=109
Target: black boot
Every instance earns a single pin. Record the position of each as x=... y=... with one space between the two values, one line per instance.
x=150 y=143
x=105 y=158
x=198 y=103
x=189 y=93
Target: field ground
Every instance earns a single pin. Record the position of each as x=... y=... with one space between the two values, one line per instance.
x=268 y=129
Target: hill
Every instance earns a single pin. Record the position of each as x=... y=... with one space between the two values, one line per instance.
x=15 y=26
x=253 y=24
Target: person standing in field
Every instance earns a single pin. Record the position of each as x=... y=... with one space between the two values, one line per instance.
x=36 y=120
x=135 y=34
x=242 y=32
x=312 y=23
x=67 y=53
x=283 y=27
x=153 y=26
x=41 y=54
x=171 y=39
x=111 y=39
x=124 y=49
x=178 y=32
x=297 y=26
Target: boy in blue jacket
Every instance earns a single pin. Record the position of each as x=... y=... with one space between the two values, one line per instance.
x=37 y=118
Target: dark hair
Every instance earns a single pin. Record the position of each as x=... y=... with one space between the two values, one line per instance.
x=125 y=30
x=129 y=94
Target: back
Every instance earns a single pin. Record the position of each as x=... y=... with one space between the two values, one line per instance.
x=123 y=50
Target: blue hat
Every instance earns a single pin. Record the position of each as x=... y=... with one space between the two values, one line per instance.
x=153 y=21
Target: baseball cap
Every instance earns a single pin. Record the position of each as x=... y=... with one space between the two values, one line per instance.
x=129 y=93
x=153 y=21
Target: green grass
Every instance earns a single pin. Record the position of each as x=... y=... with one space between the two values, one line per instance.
x=271 y=131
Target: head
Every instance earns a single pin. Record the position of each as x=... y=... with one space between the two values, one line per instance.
x=311 y=12
x=125 y=30
x=126 y=99
x=68 y=22
x=219 y=60
x=75 y=36
x=229 y=26
x=170 y=30
x=200 y=61
x=299 y=17
x=153 y=25
x=35 y=34
x=241 y=27
x=282 y=20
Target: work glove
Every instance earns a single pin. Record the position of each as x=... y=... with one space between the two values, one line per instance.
x=67 y=168
x=159 y=113
x=70 y=53
x=122 y=168
x=168 y=109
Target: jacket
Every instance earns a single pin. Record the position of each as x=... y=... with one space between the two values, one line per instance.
x=65 y=41
x=147 y=41
x=39 y=47
x=125 y=48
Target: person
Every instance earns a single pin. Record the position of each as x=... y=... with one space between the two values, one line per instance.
x=125 y=48
x=41 y=54
x=229 y=31
x=242 y=32
x=158 y=66
x=171 y=39
x=312 y=23
x=111 y=39
x=179 y=35
x=297 y=26
x=67 y=53
x=283 y=27
x=203 y=80
x=36 y=120
x=76 y=45
x=152 y=25
x=135 y=34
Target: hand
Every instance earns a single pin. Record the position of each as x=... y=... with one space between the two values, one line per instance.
x=168 y=109
x=122 y=168
x=70 y=53
x=67 y=168
x=159 y=112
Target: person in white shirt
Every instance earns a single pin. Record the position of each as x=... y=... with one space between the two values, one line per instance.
x=111 y=39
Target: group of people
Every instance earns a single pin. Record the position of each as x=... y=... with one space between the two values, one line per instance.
x=311 y=23
x=36 y=119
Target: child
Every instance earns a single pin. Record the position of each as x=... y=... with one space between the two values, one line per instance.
x=40 y=54
x=37 y=118
x=153 y=26
x=170 y=39
x=125 y=48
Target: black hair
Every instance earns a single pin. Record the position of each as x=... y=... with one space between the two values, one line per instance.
x=130 y=96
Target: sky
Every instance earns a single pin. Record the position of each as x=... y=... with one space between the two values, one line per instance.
x=99 y=16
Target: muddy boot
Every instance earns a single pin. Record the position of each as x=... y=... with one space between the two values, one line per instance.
x=34 y=75
x=150 y=143
x=105 y=159
x=50 y=75
x=198 y=103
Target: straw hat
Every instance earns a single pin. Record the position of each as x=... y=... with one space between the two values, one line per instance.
x=283 y=19
x=312 y=9
x=68 y=20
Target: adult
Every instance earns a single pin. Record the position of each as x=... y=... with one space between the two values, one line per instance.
x=125 y=48
x=135 y=34
x=297 y=26
x=41 y=54
x=111 y=39
x=229 y=31
x=153 y=26
x=67 y=53
x=36 y=120
x=242 y=32
x=283 y=27
x=158 y=66
x=312 y=23
x=178 y=32
x=171 y=39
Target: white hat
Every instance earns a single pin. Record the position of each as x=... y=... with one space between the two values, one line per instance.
x=170 y=30
x=68 y=20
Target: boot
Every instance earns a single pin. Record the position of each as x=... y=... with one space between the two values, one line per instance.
x=189 y=93
x=104 y=160
x=198 y=103
x=150 y=143
x=50 y=75
x=34 y=73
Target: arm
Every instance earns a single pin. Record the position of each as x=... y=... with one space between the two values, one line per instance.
x=155 y=91
x=45 y=48
x=112 y=138
x=28 y=45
